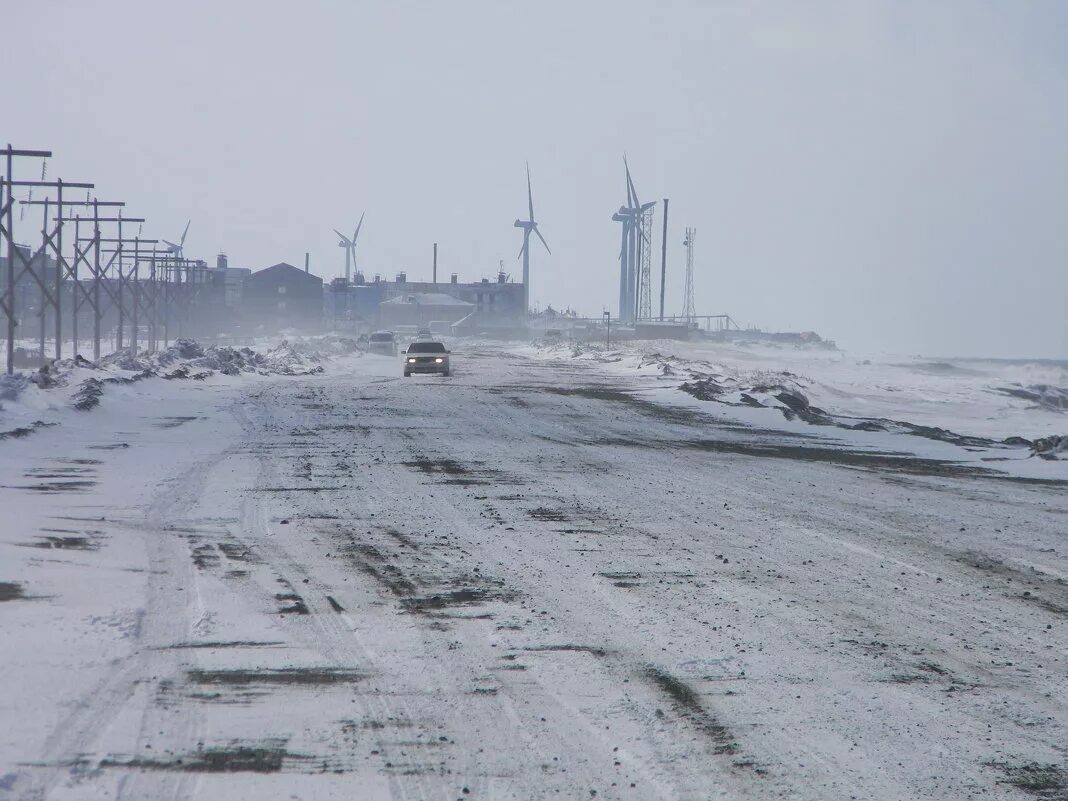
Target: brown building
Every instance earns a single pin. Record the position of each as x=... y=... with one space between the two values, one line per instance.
x=283 y=296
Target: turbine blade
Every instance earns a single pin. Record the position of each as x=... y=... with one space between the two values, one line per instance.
x=530 y=197
x=167 y=241
x=522 y=248
x=542 y=238
x=359 y=225
x=186 y=231
x=631 y=191
x=345 y=238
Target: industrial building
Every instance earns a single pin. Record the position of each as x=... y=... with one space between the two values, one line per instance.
x=420 y=309
x=479 y=305
x=282 y=296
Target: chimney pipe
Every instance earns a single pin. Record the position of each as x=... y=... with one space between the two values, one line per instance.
x=307 y=256
x=435 y=262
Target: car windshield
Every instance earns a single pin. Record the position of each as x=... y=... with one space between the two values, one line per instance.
x=381 y=337
x=426 y=347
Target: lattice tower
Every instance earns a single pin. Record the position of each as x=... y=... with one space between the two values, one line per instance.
x=689 y=312
x=646 y=290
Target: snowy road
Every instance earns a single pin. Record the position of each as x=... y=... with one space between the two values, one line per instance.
x=525 y=581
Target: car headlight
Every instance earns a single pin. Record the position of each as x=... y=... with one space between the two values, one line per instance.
x=439 y=361
x=411 y=361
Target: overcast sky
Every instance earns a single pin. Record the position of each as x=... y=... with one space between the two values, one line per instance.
x=893 y=175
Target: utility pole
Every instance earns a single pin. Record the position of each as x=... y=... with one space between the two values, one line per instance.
x=8 y=203
x=127 y=282
x=80 y=257
x=42 y=311
x=435 y=262
x=96 y=280
x=50 y=239
x=623 y=218
x=53 y=240
x=99 y=269
x=149 y=304
x=663 y=260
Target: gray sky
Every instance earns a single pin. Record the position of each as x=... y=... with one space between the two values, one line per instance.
x=893 y=175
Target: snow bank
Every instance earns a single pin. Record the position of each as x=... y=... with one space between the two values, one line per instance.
x=938 y=396
x=1051 y=447
x=80 y=384
x=1044 y=396
x=187 y=358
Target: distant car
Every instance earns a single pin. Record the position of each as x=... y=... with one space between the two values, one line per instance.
x=382 y=342
x=426 y=357
x=424 y=333
x=554 y=334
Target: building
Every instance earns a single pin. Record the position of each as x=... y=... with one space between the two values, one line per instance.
x=282 y=296
x=352 y=307
x=228 y=281
x=498 y=298
x=368 y=305
x=420 y=309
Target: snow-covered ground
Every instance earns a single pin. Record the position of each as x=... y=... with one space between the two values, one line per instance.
x=968 y=402
x=973 y=395
x=552 y=575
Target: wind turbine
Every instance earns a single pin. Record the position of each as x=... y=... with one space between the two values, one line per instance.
x=528 y=225
x=640 y=278
x=630 y=251
x=176 y=249
x=350 y=248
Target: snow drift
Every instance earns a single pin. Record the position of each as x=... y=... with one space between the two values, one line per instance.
x=85 y=382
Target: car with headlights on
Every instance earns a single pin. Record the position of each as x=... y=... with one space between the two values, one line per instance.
x=426 y=356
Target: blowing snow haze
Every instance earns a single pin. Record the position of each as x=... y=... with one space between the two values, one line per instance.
x=891 y=175
x=306 y=492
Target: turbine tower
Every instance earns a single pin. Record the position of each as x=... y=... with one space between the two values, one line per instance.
x=174 y=249
x=350 y=249
x=528 y=225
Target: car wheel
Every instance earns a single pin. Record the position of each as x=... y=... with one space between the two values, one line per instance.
x=407 y=374
x=445 y=372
